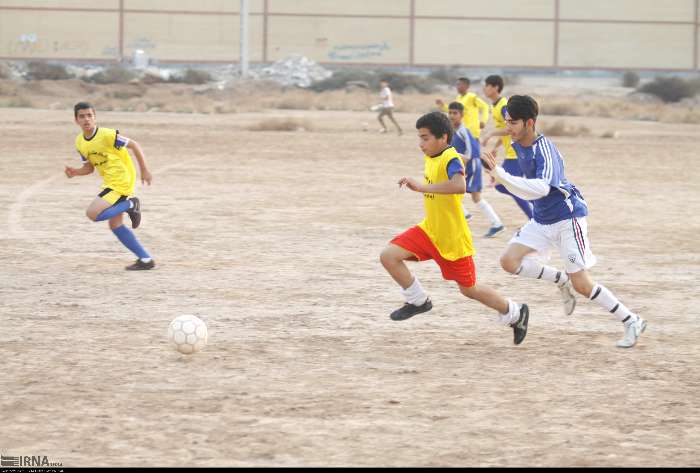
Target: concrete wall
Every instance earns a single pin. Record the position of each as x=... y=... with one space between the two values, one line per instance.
x=606 y=34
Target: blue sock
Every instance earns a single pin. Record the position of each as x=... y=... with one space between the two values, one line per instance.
x=114 y=210
x=524 y=205
x=129 y=240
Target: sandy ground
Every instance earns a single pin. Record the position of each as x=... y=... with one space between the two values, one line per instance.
x=273 y=239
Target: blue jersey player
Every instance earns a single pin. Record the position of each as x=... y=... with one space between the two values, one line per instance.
x=559 y=219
x=468 y=146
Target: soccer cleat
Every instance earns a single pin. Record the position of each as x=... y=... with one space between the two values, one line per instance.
x=382 y=130
x=493 y=231
x=632 y=333
x=520 y=327
x=409 y=310
x=468 y=216
x=135 y=212
x=567 y=297
x=141 y=265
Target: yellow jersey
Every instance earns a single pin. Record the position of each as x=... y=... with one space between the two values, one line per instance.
x=499 y=119
x=473 y=107
x=110 y=159
x=444 y=221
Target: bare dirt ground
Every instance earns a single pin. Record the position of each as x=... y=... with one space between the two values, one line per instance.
x=273 y=239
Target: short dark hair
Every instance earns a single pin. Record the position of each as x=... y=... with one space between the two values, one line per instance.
x=438 y=124
x=522 y=107
x=81 y=106
x=465 y=80
x=496 y=81
x=456 y=106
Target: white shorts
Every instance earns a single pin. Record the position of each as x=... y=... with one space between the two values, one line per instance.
x=570 y=237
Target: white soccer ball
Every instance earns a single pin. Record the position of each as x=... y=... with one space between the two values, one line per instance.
x=188 y=333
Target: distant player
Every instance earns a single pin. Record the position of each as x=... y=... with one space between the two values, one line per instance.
x=476 y=111
x=387 y=107
x=443 y=235
x=559 y=219
x=493 y=85
x=466 y=145
x=106 y=150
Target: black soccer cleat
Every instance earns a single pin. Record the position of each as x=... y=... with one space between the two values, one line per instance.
x=141 y=265
x=520 y=327
x=135 y=212
x=409 y=310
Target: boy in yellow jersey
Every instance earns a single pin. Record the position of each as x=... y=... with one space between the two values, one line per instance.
x=443 y=235
x=106 y=150
x=476 y=111
x=493 y=86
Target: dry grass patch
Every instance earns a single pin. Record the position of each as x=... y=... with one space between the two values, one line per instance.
x=559 y=128
x=282 y=124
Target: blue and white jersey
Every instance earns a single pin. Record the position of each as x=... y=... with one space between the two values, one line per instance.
x=543 y=160
x=465 y=143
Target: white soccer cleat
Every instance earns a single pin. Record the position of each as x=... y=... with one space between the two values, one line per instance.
x=567 y=297
x=632 y=333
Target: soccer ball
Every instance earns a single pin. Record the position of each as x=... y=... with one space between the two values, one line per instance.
x=188 y=333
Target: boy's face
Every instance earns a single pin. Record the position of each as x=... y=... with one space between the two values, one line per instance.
x=429 y=144
x=462 y=87
x=455 y=118
x=491 y=91
x=519 y=129
x=86 y=119
x=383 y=84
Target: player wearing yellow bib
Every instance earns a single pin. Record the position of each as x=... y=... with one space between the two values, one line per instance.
x=105 y=149
x=476 y=111
x=493 y=86
x=444 y=234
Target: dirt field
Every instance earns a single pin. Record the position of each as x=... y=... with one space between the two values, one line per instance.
x=273 y=239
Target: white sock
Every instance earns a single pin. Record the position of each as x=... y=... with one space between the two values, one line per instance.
x=612 y=304
x=490 y=213
x=512 y=315
x=414 y=293
x=531 y=268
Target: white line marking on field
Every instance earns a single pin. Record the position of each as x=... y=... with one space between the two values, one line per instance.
x=14 y=217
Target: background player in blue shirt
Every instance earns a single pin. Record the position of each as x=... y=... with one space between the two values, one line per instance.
x=468 y=146
x=559 y=219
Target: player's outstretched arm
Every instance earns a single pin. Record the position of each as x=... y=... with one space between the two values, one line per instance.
x=528 y=189
x=456 y=185
x=135 y=148
x=484 y=111
x=86 y=169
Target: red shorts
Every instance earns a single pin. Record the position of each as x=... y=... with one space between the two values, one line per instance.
x=417 y=242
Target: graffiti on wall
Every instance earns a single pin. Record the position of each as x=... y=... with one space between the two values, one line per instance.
x=31 y=44
x=351 y=52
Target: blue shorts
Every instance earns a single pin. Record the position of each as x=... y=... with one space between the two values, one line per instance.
x=474 y=181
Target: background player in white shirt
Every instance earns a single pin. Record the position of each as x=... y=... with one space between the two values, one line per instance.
x=387 y=107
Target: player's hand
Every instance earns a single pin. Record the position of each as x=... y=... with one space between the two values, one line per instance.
x=70 y=172
x=411 y=184
x=485 y=140
x=488 y=159
x=146 y=177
